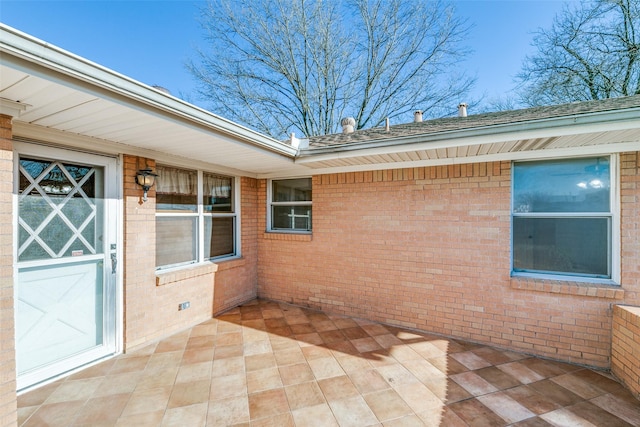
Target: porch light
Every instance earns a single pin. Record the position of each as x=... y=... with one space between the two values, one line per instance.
x=145 y=178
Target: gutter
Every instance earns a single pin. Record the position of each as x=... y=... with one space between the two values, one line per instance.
x=33 y=50
x=628 y=118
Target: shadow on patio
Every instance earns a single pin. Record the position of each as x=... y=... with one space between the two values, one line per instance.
x=273 y=364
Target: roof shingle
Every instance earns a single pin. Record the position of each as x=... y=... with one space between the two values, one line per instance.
x=474 y=121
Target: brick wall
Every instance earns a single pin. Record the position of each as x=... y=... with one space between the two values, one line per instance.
x=630 y=225
x=625 y=362
x=236 y=279
x=150 y=300
x=625 y=351
x=8 y=414
x=429 y=248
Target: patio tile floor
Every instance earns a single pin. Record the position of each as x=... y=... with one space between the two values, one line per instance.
x=272 y=364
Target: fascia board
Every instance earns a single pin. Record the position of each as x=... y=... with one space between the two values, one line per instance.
x=40 y=55
x=543 y=128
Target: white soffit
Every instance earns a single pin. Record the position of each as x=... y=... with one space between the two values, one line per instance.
x=466 y=147
x=598 y=142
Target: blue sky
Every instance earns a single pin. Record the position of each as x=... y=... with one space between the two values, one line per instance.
x=151 y=40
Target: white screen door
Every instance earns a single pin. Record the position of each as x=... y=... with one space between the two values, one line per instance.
x=66 y=287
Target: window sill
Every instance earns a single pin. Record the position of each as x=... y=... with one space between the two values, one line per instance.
x=292 y=237
x=183 y=273
x=596 y=290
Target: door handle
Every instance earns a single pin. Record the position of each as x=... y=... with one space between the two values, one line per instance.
x=114 y=263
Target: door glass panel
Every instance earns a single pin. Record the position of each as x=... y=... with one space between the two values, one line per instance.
x=58 y=207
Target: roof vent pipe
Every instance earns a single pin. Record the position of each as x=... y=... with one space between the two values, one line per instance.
x=162 y=89
x=348 y=125
x=417 y=116
x=295 y=142
x=386 y=125
x=462 y=109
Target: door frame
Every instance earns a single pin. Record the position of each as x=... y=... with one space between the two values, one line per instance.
x=113 y=211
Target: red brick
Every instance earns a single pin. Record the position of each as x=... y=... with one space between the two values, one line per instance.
x=431 y=246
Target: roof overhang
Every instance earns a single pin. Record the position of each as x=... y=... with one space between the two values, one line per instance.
x=62 y=98
x=593 y=133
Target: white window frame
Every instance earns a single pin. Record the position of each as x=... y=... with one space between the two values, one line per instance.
x=200 y=214
x=613 y=215
x=271 y=204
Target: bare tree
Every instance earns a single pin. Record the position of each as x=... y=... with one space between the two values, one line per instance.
x=590 y=52
x=497 y=103
x=301 y=65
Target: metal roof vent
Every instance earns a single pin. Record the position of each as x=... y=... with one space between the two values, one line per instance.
x=298 y=143
x=162 y=89
x=417 y=116
x=348 y=124
x=462 y=109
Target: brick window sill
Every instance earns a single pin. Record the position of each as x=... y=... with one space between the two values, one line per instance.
x=229 y=264
x=173 y=276
x=291 y=237
x=613 y=292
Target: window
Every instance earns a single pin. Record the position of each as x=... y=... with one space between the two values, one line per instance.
x=290 y=205
x=562 y=217
x=195 y=217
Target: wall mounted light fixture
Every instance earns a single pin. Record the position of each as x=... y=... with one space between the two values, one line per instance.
x=145 y=178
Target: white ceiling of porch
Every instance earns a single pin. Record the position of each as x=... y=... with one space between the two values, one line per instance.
x=132 y=128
